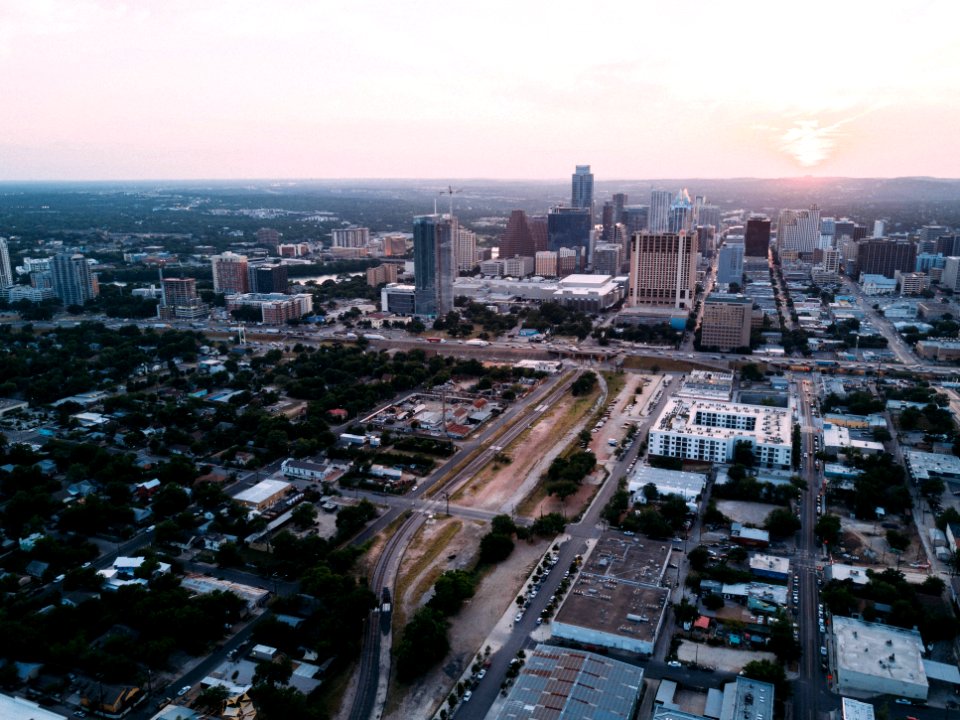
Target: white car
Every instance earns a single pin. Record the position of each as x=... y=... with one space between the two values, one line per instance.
x=467 y=695
x=183 y=691
x=674 y=664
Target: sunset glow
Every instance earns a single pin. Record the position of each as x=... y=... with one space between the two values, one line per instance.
x=117 y=89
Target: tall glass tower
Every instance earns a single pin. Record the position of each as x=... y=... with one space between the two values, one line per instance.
x=581 y=195
x=434 y=263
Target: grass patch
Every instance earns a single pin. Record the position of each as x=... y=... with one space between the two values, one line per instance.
x=616 y=382
x=330 y=693
x=437 y=546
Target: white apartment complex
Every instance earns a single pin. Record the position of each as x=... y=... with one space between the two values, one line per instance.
x=709 y=431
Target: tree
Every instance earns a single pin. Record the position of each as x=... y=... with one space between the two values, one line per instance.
x=584 y=384
x=423 y=644
x=304 y=515
x=450 y=590
x=212 y=697
x=276 y=672
x=782 y=643
x=698 y=557
x=494 y=548
x=713 y=602
x=781 y=523
x=897 y=540
x=684 y=612
x=769 y=672
x=827 y=529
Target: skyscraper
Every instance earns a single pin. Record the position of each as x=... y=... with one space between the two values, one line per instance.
x=756 y=238
x=663 y=269
x=268 y=279
x=606 y=218
x=434 y=264
x=517 y=238
x=569 y=228
x=581 y=194
x=886 y=257
x=681 y=213
x=799 y=230
x=659 y=217
x=6 y=274
x=350 y=237
x=607 y=259
x=726 y=322
x=465 y=252
x=538 y=231
x=230 y=273
x=72 y=280
x=730 y=265
x=619 y=203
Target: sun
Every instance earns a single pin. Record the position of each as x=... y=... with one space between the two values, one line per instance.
x=809 y=143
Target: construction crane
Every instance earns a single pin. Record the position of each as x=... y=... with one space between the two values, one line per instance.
x=451 y=191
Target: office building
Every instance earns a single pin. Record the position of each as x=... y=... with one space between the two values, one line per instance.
x=398 y=299
x=944 y=245
x=568 y=228
x=730 y=264
x=951 y=273
x=635 y=218
x=180 y=301
x=73 y=282
x=799 y=230
x=581 y=193
x=518 y=266
x=539 y=231
x=590 y=293
x=274 y=308
x=545 y=263
x=878 y=659
x=350 y=237
x=563 y=684
x=617 y=600
x=465 y=252
x=607 y=259
x=927 y=261
x=726 y=322
x=932 y=232
x=878 y=228
x=267 y=278
x=885 y=257
x=607 y=221
x=663 y=269
x=382 y=274
x=708 y=431
x=913 y=283
x=230 y=273
x=394 y=245
x=681 y=213
x=756 y=237
x=659 y=217
x=6 y=272
x=619 y=204
x=434 y=265
x=569 y=261
x=709 y=216
x=517 y=238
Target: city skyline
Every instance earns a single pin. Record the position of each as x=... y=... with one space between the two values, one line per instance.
x=116 y=90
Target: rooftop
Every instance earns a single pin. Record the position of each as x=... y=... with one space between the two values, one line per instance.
x=262 y=491
x=924 y=465
x=770 y=563
x=879 y=650
x=851 y=709
x=767 y=425
x=17 y=708
x=560 y=684
x=618 y=588
x=667 y=481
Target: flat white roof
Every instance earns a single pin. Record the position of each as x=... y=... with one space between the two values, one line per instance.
x=772 y=425
x=772 y=563
x=855 y=710
x=17 y=708
x=924 y=465
x=263 y=490
x=879 y=650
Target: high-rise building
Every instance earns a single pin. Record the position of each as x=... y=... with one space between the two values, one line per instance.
x=465 y=253
x=951 y=274
x=659 y=217
x=681 y=213
x=434 y=237
x=517 y=238
x=267 y=278
x=178 y=291
x=730 y=265
x=394 y=245
x=619 y=203
x=799 y=230
x=268 y=237
x=885 y=257
x=606 y=219
x=756 y=237
x=382 y=274
x=663 y=269
x=726 y=322
x=569 y=261
x=878 y=228
x=6 y=273
x=635 y=218
x=946 y=245
x=709 y=215
x=72 y=280
x=539 y=232
x=350 y=237
x=518 y=266
x=568 y=228
x=230 y=274
x=545 y=263
x=581 y=194
x=932 y=232
x=607 y=259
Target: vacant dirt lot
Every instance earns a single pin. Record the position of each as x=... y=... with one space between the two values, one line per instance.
x=720 y=658
x=746 y=512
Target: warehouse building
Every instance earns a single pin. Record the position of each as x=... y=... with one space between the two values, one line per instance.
x=564 y=684
x=263 y=495
x=617 y=601
x=687 y=485
x=878 y=659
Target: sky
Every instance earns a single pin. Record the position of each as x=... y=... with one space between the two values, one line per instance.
x=518 y=89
